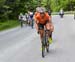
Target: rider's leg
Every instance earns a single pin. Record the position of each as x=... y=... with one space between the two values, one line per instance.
x=40 y=28
x=48 y=27
x=41 y=34
x=50 y=35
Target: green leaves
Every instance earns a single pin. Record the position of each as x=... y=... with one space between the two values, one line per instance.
x=67 y=5
x=11 y=8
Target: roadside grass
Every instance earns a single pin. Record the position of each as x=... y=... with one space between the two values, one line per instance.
x=9 y=24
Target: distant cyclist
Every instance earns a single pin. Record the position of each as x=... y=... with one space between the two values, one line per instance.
x=42 y=19
x=31 y=17
x=61 y=13
x=21 y=19
x=25 y=18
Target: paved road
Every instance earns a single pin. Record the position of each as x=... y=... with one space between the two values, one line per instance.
x=23 y=44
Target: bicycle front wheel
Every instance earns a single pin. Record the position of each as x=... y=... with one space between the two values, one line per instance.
x=43 y=51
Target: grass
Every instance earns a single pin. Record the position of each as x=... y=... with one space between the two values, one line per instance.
x=8 y=24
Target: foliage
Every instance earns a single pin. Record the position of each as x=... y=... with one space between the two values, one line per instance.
x=67 y=5
x=10 y=9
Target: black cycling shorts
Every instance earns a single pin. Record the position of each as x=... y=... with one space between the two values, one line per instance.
x=41 y=26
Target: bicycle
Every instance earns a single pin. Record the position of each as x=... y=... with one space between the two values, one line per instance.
x=45 y=42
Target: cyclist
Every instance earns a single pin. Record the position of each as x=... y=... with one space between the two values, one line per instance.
x=21 y=19
x=61 y=13
x=42 y=19
x=31 y=17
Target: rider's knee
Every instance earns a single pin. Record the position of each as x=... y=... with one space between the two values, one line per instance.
x=50 y=27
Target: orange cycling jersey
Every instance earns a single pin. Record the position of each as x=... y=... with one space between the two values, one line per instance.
x=42 y=20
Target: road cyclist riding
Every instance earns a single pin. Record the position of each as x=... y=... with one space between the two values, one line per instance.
x=44 y=27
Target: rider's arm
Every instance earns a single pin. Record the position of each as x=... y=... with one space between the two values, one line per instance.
x=36 y=18
x=49 y=18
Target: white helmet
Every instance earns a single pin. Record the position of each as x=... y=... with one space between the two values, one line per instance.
x=40 y=9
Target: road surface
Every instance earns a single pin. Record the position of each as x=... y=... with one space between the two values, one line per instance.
x=23 y=44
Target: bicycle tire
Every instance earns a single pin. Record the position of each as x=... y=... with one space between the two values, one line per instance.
x=43 y=51
x=47 y=43
x=43 y=45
